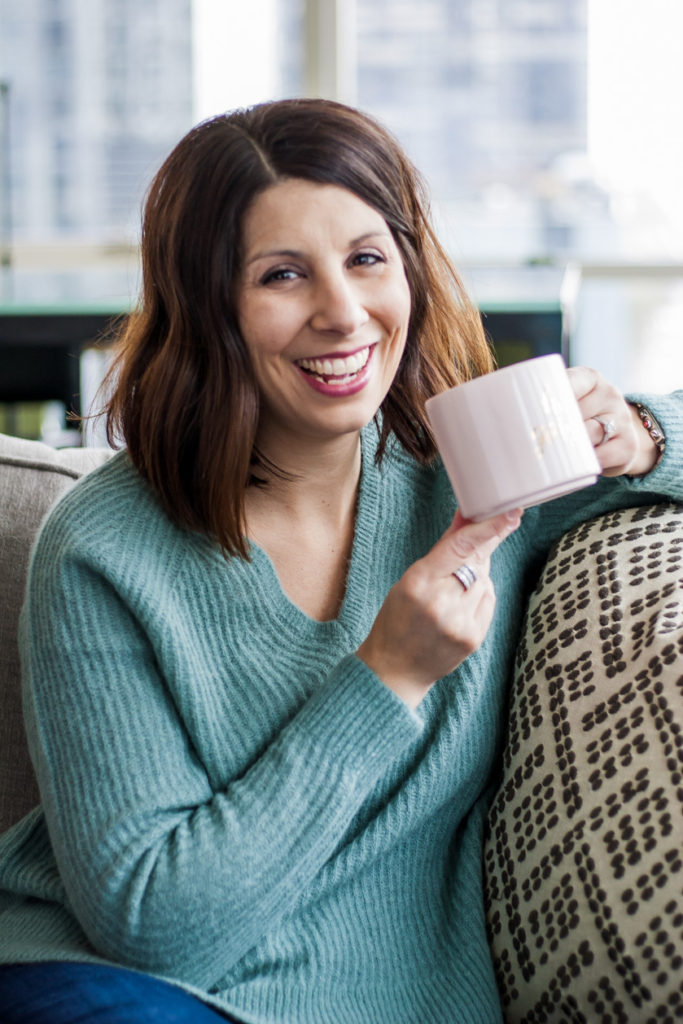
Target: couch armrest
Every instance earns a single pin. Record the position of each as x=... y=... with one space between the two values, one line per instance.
x=32 y=477
x=584 y=852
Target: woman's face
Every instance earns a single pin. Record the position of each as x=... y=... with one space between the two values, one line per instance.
x=323 y=305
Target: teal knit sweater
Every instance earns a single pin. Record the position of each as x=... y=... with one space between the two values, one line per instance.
x=230 y=798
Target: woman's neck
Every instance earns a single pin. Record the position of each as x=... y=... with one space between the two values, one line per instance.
x=311 y=478
x=305 y=522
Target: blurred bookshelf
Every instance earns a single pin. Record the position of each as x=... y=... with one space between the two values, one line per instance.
x=24 y=419
x=39 y=421
x=55 y=329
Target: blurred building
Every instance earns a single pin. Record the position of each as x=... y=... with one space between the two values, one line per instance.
x=97 y=93
x=486 y=91
x=489 y=98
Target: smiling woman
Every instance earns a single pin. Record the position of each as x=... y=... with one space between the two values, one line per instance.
x=323 y=306
x=251 y=225
x=264 y=673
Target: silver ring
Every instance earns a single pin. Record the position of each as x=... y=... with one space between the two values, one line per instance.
x=609 y=429
x=466 y=575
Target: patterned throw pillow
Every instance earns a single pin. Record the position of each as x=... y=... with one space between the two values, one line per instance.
x=584 y=853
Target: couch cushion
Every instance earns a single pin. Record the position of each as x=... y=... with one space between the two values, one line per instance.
x=584 y=855
x=32 y=477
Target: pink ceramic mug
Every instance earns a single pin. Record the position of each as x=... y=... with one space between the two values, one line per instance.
x=513 y=438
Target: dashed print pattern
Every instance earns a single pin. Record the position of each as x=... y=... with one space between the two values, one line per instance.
x=584 y=850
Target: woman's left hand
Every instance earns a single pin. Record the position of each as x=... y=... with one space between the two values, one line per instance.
x=621 y=443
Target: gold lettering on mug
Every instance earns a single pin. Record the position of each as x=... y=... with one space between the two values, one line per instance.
x=543 y=435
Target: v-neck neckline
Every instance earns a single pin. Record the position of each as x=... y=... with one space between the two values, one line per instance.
x=360 y=563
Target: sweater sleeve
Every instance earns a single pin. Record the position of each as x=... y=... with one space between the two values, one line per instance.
x=162 y=872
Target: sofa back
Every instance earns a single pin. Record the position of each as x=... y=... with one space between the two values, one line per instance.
x=32 y=478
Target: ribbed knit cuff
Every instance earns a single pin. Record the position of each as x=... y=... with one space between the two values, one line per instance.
x=358 y=721
x=668 y=410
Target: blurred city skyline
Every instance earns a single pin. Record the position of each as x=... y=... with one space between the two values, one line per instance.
x=542 y=131
x=549 y=132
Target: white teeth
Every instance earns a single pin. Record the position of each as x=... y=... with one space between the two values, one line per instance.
x=339 y=367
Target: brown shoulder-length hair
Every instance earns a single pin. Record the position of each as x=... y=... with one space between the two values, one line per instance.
x=183 y=396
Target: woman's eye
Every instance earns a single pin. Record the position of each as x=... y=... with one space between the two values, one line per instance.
x=367 y=259
x=279 y=274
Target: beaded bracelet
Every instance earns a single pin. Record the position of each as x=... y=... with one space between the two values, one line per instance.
x=653 y=428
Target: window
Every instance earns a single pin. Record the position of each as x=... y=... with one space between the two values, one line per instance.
x=551 y=142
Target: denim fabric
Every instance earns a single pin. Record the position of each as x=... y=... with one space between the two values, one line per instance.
x=80 y=993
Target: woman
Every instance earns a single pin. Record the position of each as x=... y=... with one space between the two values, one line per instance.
x=263 y=709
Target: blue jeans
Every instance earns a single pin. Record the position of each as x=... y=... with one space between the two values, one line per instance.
x=78 y=993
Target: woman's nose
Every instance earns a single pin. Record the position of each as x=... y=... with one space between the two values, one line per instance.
x=338 y=306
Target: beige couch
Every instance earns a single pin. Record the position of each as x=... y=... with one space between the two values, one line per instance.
x=32 y=477
x=583 y=859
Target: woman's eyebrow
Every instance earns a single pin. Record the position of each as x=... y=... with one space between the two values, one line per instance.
x=297 y=253
x=370 y=234
x=269 y=253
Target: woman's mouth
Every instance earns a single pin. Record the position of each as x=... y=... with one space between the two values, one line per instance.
x=342 y=375
x=337 y=371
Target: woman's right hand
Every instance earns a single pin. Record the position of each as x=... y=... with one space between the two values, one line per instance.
x=429 y=623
